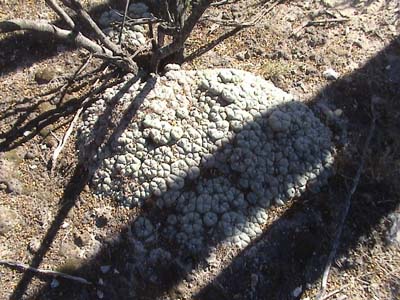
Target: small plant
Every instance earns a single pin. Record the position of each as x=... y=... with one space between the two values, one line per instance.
x=273 y=69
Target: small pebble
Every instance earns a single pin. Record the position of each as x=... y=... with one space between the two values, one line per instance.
x=338 y=112
x=64 y=225
x=254 y=281
x=297 y=291
x=82 y=239
x=100 y=294
x=105 y=269
x=45 y=75
x=34 y=245
x=54 y=283
x=29 y=155
x=331 y=74
x=8 y=219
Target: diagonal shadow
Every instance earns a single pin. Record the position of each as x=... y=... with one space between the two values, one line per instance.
x=79 y=179
x=205 y=48
x=151 y=280
x=25 y=128
x=293 y=250
x=292 y=253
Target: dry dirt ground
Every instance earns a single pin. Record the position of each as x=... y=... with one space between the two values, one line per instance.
x=53 y=222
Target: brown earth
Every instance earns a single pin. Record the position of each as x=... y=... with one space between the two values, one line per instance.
x=53 y=222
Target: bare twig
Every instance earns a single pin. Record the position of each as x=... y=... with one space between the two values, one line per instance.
x=327 y=296
x=81 y=68
x=42 y=26
x=205 y=48
x=54 y=6
x=154 y=44
x=123 y=61
x=51 y=273
x=197 y=11
x=346 y=208
x=297 y=31
x=141 y=21
x=223 y=2
x=167 y=11
x=123 y=22
x=137 y=21
x=263 y=13
x=64 y=140
x=120 y=60
x=67 y=134
x=54 y=136
x=77 y=6
x=238 y=26
x=64 y=88
x=255 y=20
x=228 y=23
x=53 y=93
x=140 y=49
x=325 y=21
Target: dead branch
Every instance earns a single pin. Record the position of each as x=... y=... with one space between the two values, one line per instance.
x=227 y=23
x=255 y=20
x=127 y=63
x=78 y=8
x=62 y=143
x=63 y=90
x=205 y=48
x=237 y=27
x=297 y=31
x=167 y=11
x=54 y=6
x=335 y=292
x=223 y=2
x=137 y=21
x=123 y=22
x=325 y=21
x=123 y=61
x=51 y=273
x=178 y=43
x=64 y=140
x=42 y=26
x=197 y=12
x=263 y=12
x=141 y=21
x=346 y=208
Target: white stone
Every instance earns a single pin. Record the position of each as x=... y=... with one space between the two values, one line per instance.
x=331 y=74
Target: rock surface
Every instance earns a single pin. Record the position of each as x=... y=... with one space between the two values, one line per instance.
x=8 y=220
x=45 y=75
